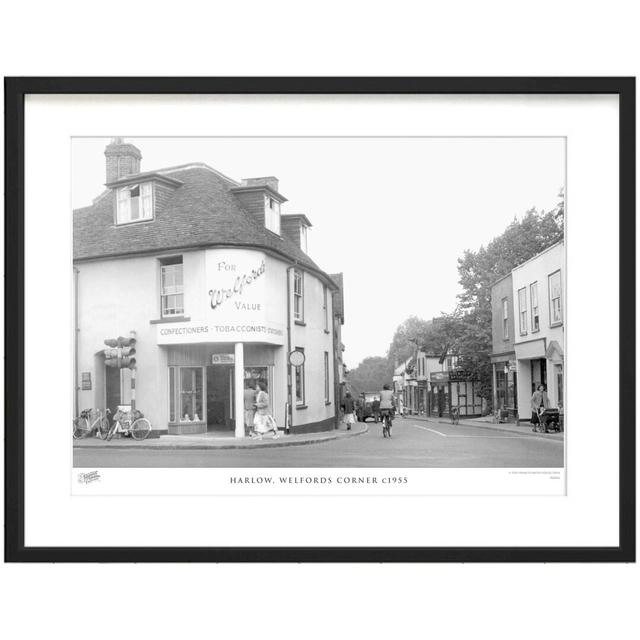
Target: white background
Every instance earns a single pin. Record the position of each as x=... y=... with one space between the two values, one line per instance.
x=53 y=517
x=489 y=38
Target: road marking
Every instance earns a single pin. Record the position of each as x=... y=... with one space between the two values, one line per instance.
x=444 y=435
x=513 y=437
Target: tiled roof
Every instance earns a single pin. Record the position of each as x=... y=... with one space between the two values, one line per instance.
x=201 y=212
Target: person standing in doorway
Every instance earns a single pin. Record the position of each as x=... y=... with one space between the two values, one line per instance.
x=249 y=405
x=348 y=406
x=263 y=421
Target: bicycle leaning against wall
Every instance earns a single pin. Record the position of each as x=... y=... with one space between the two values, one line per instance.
x=91 y=421
x=129 y=422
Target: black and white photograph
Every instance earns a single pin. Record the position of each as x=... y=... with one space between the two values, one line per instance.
x=319 y=302
x=359 y=318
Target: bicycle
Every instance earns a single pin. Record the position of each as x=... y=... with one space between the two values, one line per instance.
x=386 y=422
x=455 y=415
x=84 y=427
x=126 y=422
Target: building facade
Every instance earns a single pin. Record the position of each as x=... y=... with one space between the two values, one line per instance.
x=503 y=357
x=538 y=299
x=215 y=284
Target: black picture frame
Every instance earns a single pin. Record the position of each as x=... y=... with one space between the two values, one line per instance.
x=15 y=91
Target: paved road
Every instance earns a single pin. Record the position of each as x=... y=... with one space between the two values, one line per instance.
x=414 y=444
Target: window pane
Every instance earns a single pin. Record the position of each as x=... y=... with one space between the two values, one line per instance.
x=135 y=208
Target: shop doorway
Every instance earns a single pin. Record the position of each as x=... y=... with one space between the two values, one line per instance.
x=220 y=389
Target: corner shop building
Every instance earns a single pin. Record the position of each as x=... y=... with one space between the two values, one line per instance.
x=218 y=288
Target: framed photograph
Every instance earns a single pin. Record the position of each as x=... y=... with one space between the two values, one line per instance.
x=320 y=319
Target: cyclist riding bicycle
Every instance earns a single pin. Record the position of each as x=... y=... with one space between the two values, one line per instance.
x=387 y=407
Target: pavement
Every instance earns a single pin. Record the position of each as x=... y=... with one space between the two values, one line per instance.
x=217 y=441
x=488 y=423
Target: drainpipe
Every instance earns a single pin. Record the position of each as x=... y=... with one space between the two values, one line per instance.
x=76 y=273
x=289 y=420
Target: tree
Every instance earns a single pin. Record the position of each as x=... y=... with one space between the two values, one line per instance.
x=403 y=345
x=370 y=374
x=467 y=331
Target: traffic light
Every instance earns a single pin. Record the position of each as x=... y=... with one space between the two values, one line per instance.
x=126 y=357
x=111 y=357
x=120 y=353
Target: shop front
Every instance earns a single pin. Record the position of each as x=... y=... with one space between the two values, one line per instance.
x=202 y=392
x=505 y=386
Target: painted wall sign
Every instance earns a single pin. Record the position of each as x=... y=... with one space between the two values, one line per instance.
x=236 y=294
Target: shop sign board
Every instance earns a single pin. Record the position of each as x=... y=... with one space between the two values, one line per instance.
x=439 y=376
x=223 y=358
x=459 y=375
x=235 y=296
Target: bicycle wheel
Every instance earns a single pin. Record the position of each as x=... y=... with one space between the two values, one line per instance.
x=102 y=428
x=140 y=429
x=80 y=428
x=112 y=430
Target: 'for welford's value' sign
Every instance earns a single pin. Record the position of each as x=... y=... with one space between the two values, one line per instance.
x=237 y=287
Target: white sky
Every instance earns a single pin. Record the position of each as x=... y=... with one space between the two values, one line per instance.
x=393 y=214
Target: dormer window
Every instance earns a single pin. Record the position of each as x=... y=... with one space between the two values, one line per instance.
x=134 y=203
x=303 y=238
x=272 y=214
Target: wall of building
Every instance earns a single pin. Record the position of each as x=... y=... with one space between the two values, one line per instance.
x=533 y=345
x=499 y=291
x=122 y=295
x=312 y=336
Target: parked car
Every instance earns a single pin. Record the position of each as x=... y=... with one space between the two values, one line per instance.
x=364 y=408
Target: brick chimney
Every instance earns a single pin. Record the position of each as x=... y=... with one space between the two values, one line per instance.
x=123 y=159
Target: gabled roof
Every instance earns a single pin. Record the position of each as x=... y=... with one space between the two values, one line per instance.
x=201 y=211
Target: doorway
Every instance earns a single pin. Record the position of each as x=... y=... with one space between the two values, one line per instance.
x=220 y=398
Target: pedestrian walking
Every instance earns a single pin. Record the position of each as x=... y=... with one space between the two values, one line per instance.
x=539 y=402
x=348 y=406
x=263 y=421
x=249 y=405
x=376 y=409
x=400 y=406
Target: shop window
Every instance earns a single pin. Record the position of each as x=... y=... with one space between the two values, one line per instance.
x=186 y=394
x=171 y=287
x=298 y=296
x=327 y=395
x=560 y=385
x=535 y=312
x=505 y=318
x=522 y=310
x=134 y=203
x=555 y=296
x=299 y=377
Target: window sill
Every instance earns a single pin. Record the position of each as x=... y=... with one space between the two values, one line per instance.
x=326 y=404
x=167 y=320
x=327 y=331
x=300 y=323
x=555 y=324
x=535 y=330
x=301 y=406
x=117 y=225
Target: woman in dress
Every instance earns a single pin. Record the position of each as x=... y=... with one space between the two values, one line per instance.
x=263 y=421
